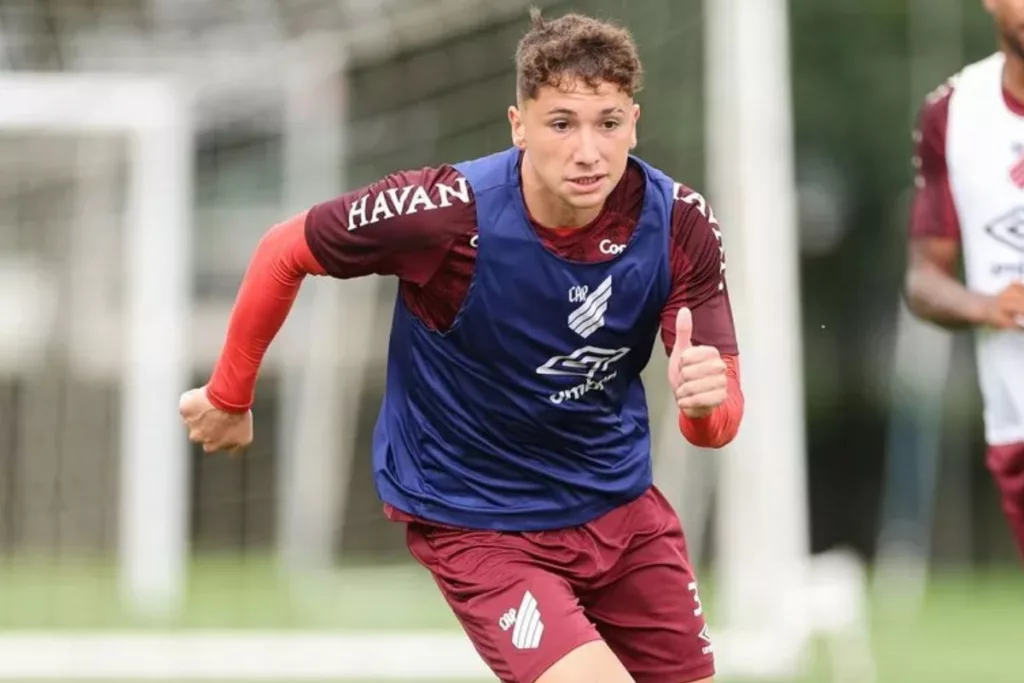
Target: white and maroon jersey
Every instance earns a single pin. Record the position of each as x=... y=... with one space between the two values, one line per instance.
x=970 y=187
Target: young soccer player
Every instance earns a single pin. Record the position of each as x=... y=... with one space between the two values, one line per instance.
x=514 y=439
x=970 y=191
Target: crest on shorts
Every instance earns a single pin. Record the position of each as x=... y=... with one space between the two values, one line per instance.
x=705 y=635
x=525 y=622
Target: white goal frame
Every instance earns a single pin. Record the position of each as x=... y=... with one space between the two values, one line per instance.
x=154 y=116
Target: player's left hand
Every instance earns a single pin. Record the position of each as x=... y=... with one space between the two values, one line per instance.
x=695 y=373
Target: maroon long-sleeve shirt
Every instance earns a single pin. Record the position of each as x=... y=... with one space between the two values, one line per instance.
x=421 y=227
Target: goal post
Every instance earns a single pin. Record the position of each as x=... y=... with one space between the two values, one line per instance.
x=154 y=115
x=774 y=596
x=763 y=503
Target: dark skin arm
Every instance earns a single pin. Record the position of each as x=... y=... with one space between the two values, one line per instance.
x=934 y=292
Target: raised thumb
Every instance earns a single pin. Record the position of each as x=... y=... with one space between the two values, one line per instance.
x=684 y=329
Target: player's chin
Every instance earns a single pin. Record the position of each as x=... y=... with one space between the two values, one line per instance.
x=588 y=198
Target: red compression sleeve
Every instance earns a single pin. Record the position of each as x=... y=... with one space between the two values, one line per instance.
x=269 y=288
x=720 y=427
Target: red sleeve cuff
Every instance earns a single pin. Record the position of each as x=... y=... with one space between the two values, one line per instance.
x=223 y=404
x=723 y=423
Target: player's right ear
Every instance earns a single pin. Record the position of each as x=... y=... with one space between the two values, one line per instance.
x=515 y=120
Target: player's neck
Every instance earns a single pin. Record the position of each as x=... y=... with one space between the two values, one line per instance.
x=547 y=209
x=1013 y=75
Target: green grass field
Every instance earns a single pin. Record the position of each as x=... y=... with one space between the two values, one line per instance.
x=970 y=629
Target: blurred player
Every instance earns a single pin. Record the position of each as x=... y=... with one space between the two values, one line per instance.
x=970 y=194
x=514 y=439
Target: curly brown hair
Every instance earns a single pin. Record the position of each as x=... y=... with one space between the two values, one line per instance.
x=575 y=47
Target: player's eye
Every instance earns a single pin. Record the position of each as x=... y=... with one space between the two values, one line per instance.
x=560 y=125
x=611 y=124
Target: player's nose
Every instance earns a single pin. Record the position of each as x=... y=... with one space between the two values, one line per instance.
x=587 y=153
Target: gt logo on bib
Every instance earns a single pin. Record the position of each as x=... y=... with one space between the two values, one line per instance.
x=591 y=362
x=584 y=362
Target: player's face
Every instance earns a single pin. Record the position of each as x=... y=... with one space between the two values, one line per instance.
x=1009 y=18
x=577 y=142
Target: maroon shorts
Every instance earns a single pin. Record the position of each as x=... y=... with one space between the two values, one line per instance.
x=1006 y=463
x=528 y=599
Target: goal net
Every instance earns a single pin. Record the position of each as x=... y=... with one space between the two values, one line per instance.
x=130 y=207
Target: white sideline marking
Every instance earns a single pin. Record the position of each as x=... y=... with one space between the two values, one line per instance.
x=280 y=656
x=304 y=656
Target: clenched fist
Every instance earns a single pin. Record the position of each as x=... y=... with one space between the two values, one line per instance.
x=1005 y=310
x=695 y=373
x=215 y=429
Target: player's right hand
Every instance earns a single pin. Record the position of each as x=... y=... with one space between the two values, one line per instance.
x=1006 y=309
x=697 y=374
x=214 y=429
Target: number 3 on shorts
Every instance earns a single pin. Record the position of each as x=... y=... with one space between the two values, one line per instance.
x=699 y=610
